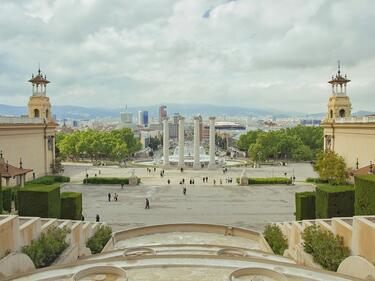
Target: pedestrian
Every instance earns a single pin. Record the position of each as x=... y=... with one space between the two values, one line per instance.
x=181 y=169
x=206 y=179
x=95 y=175
x=97 y=218
x=116 y=196
x=214 y=181
x=122 y=185
x=109 y=197
x=183 y=181
x=82 y=218
x=184 y=190
x=169 y=181
x=147 y=204
x=154 y=169
x=99 y=172
x=221 y=181
x=193 y=181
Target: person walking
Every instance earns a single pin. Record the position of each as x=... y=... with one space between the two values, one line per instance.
x=109 y=197
x=97 y=218
x=116 y=197
x=147 y=204
x=184 y=190
x=122 y=186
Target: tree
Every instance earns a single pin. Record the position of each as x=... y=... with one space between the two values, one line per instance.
x=154 y=143
x=332 y=167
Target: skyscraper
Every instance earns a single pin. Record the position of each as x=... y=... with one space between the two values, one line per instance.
x=145 y=118
x=140 y=118
x=162 y=113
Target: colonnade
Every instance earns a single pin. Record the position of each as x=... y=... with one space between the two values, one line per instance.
x=181 y=143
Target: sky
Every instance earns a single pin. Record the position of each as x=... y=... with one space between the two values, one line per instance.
x=248 y=53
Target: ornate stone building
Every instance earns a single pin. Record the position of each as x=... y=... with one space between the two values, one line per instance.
x=32 y=137
x=351 y=137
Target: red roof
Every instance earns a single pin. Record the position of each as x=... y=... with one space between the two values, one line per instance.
x=39 y=79
x=9 y=171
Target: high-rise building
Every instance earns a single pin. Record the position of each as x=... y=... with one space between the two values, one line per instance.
x=145 y=118
x=162 y=113
x=126 y=117
x=140 y=118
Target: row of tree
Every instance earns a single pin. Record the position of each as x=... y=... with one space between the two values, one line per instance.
x=298 y=143
x=115 y=145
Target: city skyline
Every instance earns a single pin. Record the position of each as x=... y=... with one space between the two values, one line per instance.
x=238 y=53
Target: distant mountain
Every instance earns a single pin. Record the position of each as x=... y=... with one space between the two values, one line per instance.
x=81 y=113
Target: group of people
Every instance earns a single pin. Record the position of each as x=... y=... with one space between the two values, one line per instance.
x=115 y=197
x=149 y=170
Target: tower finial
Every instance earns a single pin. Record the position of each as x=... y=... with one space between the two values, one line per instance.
x=39 y=68
x=338 y=66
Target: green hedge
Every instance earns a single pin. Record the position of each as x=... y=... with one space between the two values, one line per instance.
x=305 y=205
x=270 y=181
x=39 y=201
x=364 y=195
x=275 y=239
x=334 y=201
x=47 y=248
x=7 y=200
x=316 y=180
x=49 y=180
x=113 y=180
x=97 y=242
x=327 y=250
x=71 y=205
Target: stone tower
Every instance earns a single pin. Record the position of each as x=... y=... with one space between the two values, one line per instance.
x=39 y=105
x=339 y=105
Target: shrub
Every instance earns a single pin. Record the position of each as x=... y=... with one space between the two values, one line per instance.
x=305 y=205
x=7 y=200
x=71 y=205
x=113 y=180
x=275 y=239
x=44 y=251
x=364 y=195
x=316 y=180
x=97 y=242
x=334 y=201
x=39 y=201
x=49 y=180
x=327 y=250
x=1 y=199
x=270 y=181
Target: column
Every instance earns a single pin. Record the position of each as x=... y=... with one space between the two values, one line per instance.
x=181 y=142
x=212 y=163
x=197 y=164
x=166 y=142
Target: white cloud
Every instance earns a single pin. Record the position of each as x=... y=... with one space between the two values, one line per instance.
x=275 y=54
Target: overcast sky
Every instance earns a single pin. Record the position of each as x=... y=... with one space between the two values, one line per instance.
x=251 y=53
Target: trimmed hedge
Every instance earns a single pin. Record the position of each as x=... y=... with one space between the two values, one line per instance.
x=305 y=205
x=327 y=250
x=275 y=238
x=334 y=201
x=1 y=199
x=270 y=181
x=316 y=180
x=71 y=205
x=97 y=242
x=49 y=180
x=364 y=195
x=47 y=248
x=40 y=201
x=7 y=200
x=109 y=180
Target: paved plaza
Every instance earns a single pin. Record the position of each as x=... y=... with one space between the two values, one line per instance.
x=226 y=203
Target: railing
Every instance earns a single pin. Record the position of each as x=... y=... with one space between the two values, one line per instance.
x=364 y=119
x=20 y=120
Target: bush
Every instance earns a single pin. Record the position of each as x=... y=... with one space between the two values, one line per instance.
x=334 y=201
x=275 y=239
x=270 y=181
x=327 y=250
x=364 y=195
x=71 y=205
x=39 y=201
x=7 y=200
x=305 y=205
x=47 y=248
x=1 y=199
x=97 y=242
x=331 y=166
x=49 y=180
x=113 y=180
x=316 y=180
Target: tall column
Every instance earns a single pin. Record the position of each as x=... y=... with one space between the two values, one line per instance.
x=212 y=163
x=166 y=142
x=197 y=164
x=181 y=142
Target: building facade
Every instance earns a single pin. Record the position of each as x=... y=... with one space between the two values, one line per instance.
x=31 y=138
x=351 y=137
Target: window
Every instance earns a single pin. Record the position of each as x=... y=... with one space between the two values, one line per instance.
x=36 y=113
